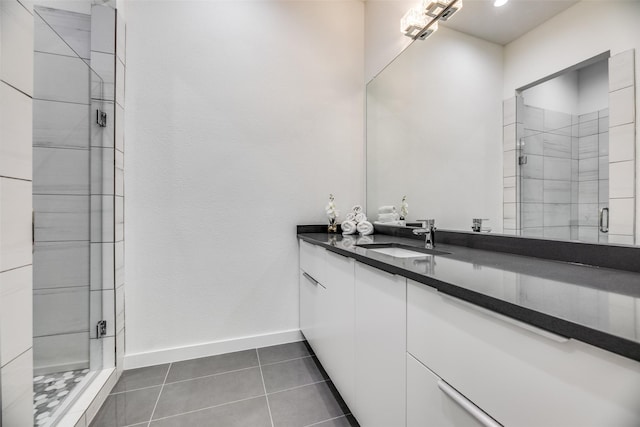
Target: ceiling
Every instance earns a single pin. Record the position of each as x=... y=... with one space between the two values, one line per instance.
x=504 y=24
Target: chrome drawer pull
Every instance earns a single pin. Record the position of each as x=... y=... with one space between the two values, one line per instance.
x=311 y=279
x=538 y=331
x=477 y=413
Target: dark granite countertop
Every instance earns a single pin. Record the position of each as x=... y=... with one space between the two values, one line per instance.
x=599 y=306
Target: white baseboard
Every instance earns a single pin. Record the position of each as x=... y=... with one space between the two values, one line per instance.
x=150 y=358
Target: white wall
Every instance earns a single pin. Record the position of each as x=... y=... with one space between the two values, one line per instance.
x=577 y=92
x=570 y=38
x=434 y=131
x=241 y=118
x=558 y=94
x=593 y=88
x=383 y=40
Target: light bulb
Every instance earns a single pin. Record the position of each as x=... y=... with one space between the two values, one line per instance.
x=413 y=22
x=499 y=3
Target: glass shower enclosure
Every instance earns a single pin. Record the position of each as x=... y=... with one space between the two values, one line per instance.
x=563 y=149
x=73 y=199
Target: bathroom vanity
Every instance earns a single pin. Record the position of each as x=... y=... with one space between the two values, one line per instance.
x=467 y=336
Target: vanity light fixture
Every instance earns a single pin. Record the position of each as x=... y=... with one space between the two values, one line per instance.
x=413 y=22
x=422 y=20
x=499 y=3
x=441 y=9
x=428 y=31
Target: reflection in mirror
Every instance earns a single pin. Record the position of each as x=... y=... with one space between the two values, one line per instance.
x=563 y=159
x=446 y=129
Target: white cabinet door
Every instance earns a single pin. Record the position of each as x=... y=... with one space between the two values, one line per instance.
x=311 y=293
x=380 y=353
x=428 y=404
x=337 y=349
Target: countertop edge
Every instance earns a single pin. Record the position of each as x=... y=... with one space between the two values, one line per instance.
x=614 y=344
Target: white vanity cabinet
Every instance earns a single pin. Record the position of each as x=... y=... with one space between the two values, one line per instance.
x=380 y=348
x=403 y=354
x=516 y=373
x=327 y=313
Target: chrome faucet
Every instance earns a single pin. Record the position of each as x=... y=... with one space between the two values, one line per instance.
x=429 y=230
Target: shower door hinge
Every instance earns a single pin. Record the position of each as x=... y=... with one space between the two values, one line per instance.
x=522 y=160
x=101 y=118
x=101 y=328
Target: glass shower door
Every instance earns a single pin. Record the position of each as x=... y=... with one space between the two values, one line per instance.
x=73 y=209
x=563 y=163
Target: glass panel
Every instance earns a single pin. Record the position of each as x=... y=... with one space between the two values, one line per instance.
x=563 y=155
x=73 y=206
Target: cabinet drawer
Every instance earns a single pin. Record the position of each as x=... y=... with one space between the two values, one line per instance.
x=312 y=260
x=520 y=377
x=430 y=404
x=311 y=296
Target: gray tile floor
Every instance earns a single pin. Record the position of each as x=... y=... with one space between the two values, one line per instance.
x=278 y=386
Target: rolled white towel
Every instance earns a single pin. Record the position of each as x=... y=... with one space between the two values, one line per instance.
x=360 y=217
x=388 y=217
x=357 y=209
x=403 y=223
x=386 y=209
x=350 y=217
x=365 y=228
x=348 y=227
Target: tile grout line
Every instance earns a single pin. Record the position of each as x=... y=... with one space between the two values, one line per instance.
x=301 y=386
x=287 y=360
x=329 y=419
x=211 y=375
x=265 y=388
x=159 y=394
x=135 y=389
x=208 y=407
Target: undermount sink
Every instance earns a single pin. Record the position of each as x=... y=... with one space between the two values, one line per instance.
x=397 y=250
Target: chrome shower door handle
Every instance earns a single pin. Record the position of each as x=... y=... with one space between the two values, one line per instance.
x=604 y=220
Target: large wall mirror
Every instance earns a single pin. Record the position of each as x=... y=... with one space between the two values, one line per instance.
x=524 y=115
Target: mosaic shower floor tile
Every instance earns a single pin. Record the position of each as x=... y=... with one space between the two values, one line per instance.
x=49 y=391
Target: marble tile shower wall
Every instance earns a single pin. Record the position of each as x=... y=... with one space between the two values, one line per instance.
x=593 y=176
x=16 y=91
x=565 y=177
x=622 y=159
x=512 y=126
